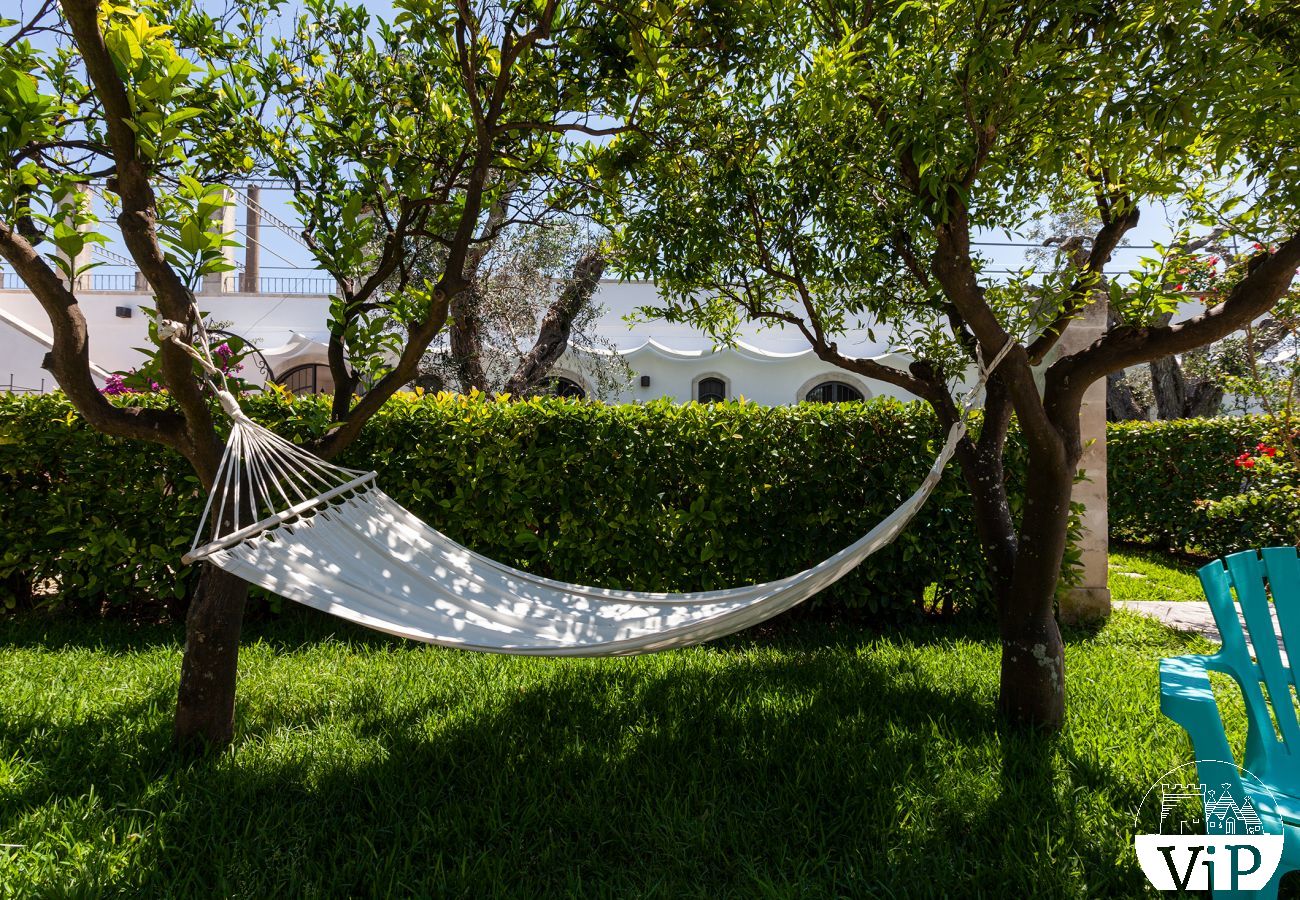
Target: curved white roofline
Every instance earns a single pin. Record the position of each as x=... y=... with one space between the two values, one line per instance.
x=749 y=351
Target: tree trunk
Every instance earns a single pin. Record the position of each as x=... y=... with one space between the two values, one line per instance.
x=1170 y=388
x=993 y=525
x=982 y=470
x=205 y=706
x=1205 y=400
x=1032 y=692
x=557 y=324
x=1033 y=656
x=1121 y=405
x=466 y=340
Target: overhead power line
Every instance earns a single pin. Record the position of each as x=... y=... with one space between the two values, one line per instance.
x=290 y=262
x=1034 y=246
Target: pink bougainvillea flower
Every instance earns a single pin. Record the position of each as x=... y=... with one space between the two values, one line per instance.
x=115 y=385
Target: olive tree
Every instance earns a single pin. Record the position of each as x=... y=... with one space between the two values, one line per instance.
x=532 y=298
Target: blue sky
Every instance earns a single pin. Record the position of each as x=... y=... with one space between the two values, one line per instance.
x=283 y=257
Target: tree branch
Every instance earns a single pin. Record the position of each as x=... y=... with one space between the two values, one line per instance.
x=553 y=335
x=1268 y=278
x=1103 y=248
x=138 y=224
x=69 y=360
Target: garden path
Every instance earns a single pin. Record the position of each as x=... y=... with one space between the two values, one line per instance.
x=1194 y=616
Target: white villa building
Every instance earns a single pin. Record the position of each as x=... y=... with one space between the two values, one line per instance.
x=286 y=321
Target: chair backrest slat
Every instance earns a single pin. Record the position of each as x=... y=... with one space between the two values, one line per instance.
x=1247 y=571
x=1218 y=590
x=1235 y=655
x=1282 y=565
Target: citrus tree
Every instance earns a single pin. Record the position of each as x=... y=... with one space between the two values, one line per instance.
x=387 y=131
x=848 y=157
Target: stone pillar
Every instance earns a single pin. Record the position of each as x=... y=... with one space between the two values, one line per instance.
x=78 y=198
x=223 y=220
x=1090 y=601
x=250 y=282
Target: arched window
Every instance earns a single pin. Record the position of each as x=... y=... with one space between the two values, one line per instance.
x=559 y=386
x=711 y=390
x=833 y=392
x=309 y=378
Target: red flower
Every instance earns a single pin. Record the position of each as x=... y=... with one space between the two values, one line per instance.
x=1266 y=449
x=1244 y=461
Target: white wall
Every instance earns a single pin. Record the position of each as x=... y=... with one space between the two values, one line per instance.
x=762 y=377
x=772 y=367
x=21 y=355
x=266 y=319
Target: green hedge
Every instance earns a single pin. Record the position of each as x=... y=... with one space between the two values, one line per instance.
x=655 y=496
x=1160 y=473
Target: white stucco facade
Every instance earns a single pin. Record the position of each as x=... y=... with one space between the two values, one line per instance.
x=769 y=366
x=23 y=347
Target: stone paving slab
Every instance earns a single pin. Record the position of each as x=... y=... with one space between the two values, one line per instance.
x=1191 y=615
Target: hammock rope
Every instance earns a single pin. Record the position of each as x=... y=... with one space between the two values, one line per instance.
x=328 y=537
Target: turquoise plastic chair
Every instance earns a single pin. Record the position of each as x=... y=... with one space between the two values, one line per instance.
x=1272 y=753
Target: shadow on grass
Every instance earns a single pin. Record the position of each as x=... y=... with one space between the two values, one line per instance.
x=297 y=627
x=813 y=765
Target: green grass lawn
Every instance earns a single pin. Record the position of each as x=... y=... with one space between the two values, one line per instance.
x=810 y=759
x=1146 y=575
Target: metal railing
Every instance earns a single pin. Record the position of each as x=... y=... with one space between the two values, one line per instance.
x=111 y=281
x=282 y=284
x=12 y=388
x=130 y=282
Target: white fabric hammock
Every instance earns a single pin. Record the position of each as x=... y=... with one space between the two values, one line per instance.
x=329 y=538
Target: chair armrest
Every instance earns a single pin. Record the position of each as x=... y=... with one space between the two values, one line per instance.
x=1187 y=697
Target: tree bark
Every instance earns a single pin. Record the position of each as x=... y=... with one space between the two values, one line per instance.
x=983 y=470
x=1204 y=400
x=1033 y=655
x=1121 y=405
x=466 y=340
x=205 y=705
x=557 y=324
x=1170 y=388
